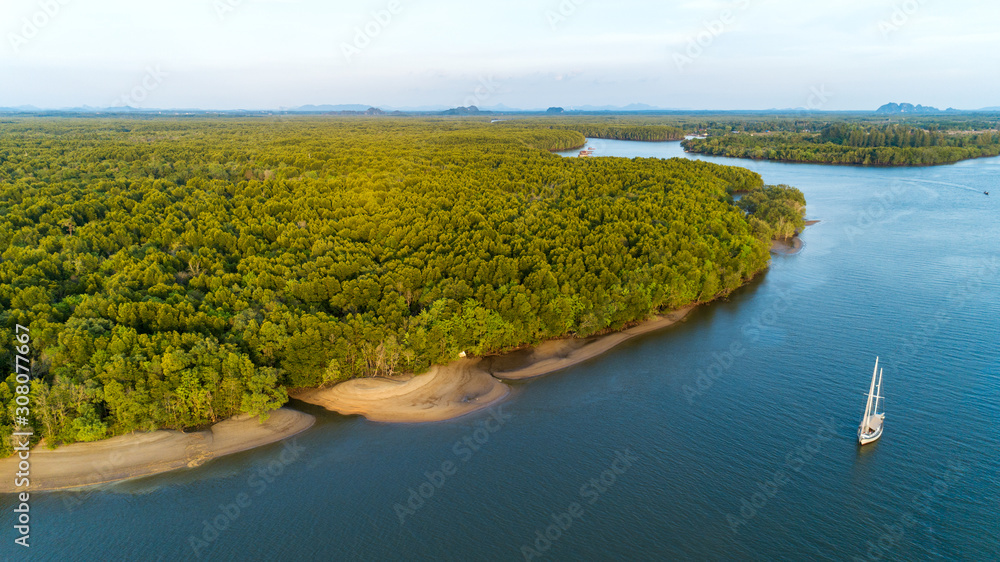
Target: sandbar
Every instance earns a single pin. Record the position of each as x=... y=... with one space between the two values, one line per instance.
x=466 y=385
x=786 y=246
x=444 y=392
x=556 y=355
x=143 y=454
x=789 y=246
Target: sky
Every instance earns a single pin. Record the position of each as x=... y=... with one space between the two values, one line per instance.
x=707 y=54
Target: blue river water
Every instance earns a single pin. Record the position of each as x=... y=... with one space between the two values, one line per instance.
x=729 y=436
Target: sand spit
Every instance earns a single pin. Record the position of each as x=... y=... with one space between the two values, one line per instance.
x=556 y=355
x=787 y=247
x=442 y=393
x=466 y=385
x=142 y=454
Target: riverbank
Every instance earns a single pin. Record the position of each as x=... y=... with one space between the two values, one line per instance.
x=789 y=246
x=555 y=355
x=143 y=454
x=852 y=164
x=786 y=246
x=444 y=392
x=467 y=385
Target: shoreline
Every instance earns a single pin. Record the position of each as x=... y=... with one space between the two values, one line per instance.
x=144 y=454
x=558 y=150
x=555 y=355
x=786 y=246
x=637 y=140
x=444 y=392
x=468 y=385
x=790 y=246
x=855 y=164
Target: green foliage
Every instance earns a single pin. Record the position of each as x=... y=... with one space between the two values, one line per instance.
x=779 y=207
x=615 y=128
x=849 y=143
x=87 y=426
x=175 y=272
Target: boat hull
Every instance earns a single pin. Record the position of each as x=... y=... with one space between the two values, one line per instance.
x=866 y=438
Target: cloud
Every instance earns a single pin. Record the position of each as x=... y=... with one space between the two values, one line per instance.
x=265 y=53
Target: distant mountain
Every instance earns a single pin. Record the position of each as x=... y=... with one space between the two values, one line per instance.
x=471 y=110
x=994 y=108
x=122 y=109
x=20 y=109
x=82 y=109
x=898 y=108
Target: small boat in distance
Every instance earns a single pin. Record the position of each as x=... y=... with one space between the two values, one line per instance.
x=871 y=424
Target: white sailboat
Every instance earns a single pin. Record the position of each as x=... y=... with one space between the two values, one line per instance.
x=871 y=424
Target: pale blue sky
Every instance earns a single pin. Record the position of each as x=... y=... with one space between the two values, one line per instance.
x=256 y=54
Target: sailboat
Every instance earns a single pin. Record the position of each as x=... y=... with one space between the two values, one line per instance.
x=871 y=424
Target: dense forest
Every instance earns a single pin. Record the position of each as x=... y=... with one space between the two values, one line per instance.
x=775 y=211
x=849 y=143
x=615 y=128
x=634 y=133
x=174 y=272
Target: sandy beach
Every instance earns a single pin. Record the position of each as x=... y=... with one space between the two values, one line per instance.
x=142 y=454
x=466 y=385
x=787 y=246
x=442 y=393
x=555 y=355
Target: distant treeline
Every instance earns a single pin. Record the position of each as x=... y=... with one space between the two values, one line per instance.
x=613 y=128
x=632 y=132
x=664 y=127
x=843 y=143
x=174 y=272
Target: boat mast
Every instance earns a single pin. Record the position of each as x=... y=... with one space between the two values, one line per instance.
x=878 y=393
x=868 y=406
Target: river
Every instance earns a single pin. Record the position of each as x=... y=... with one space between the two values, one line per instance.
x=731 y=435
